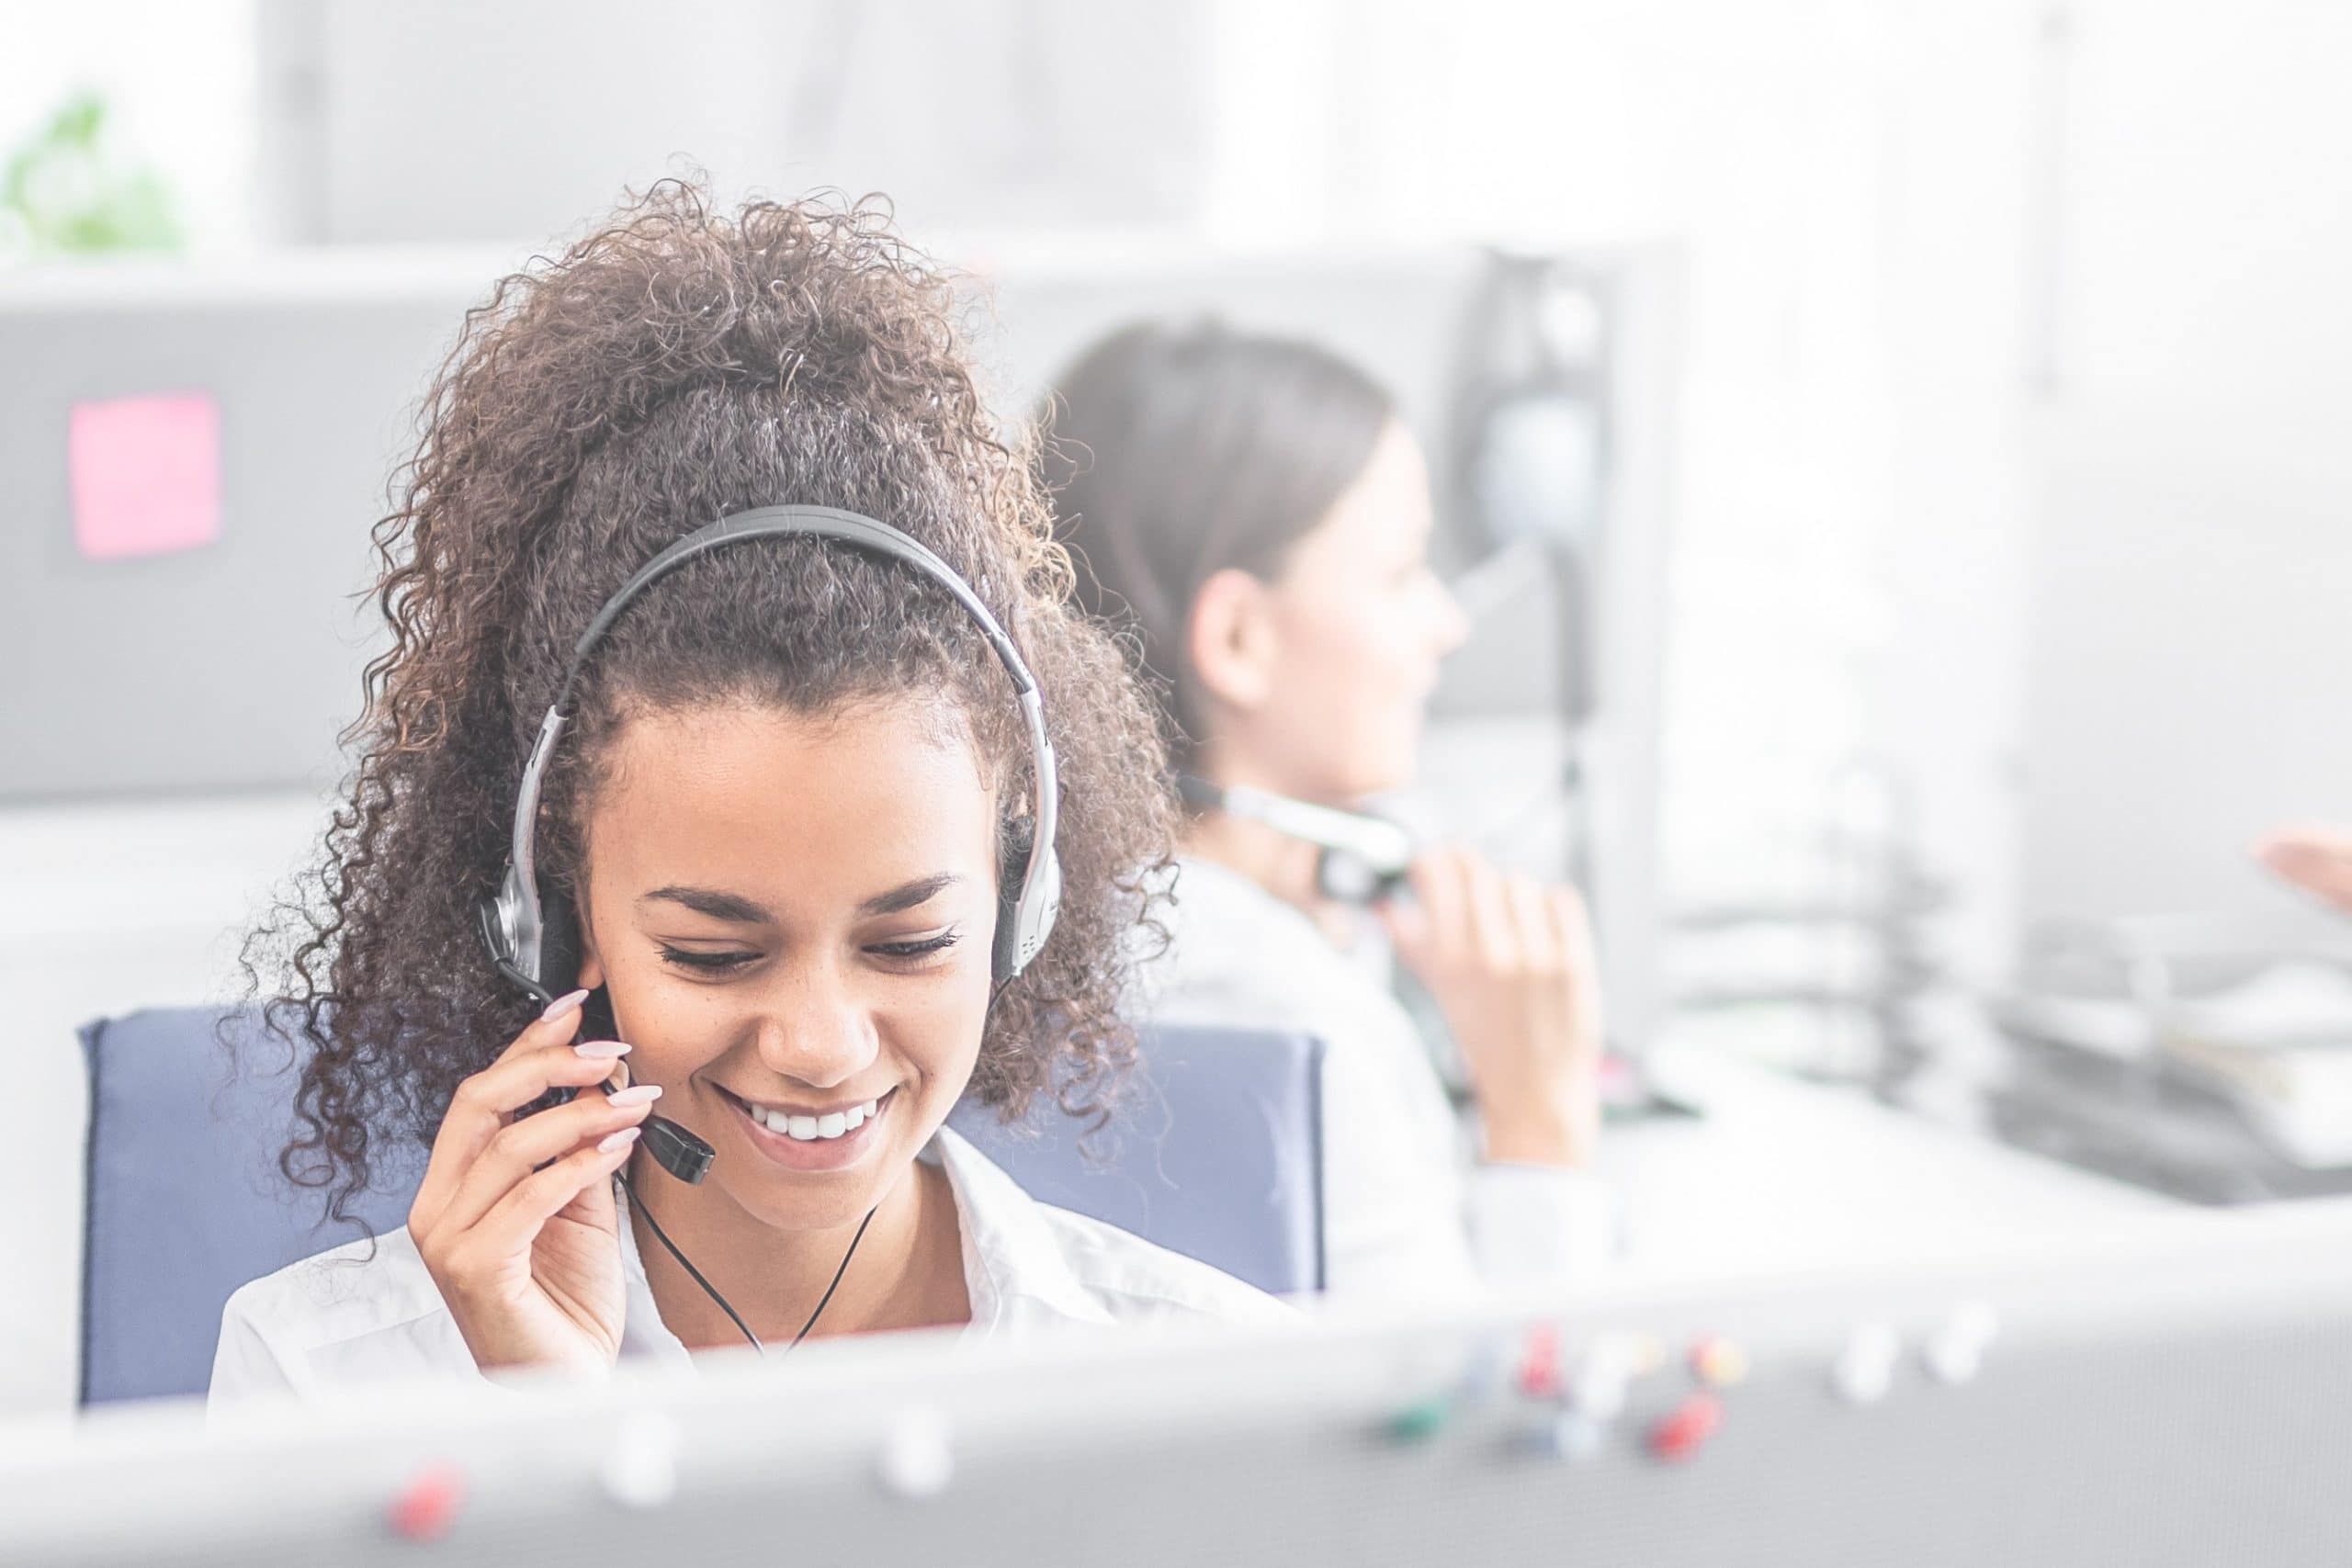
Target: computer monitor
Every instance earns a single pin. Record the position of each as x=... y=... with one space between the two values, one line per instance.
x=2169 y=1394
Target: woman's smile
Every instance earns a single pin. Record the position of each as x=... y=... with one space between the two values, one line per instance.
x=809 y=1138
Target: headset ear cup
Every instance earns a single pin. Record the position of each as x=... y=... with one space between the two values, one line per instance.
x=559 y=942
x=1005 y=960
x=1044 y=905
x=1013 y=861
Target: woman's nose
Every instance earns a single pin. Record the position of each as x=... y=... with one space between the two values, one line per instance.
x=814 y=1032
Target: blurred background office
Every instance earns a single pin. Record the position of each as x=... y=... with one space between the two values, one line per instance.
x=1893 y=451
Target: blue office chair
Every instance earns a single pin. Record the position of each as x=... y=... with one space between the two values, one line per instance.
x=1216 y=1155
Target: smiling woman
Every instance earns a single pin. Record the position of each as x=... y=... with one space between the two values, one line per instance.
x=793 y=800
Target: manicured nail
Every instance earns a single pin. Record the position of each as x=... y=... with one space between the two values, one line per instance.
x=625 y=1136
x=601 y=1049
x=564 y=1007
x=636 y=1094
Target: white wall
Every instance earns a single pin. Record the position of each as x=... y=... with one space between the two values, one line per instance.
x=2191 y=626
x=1943 y=671
x=1847 y=180
x=178 y=77
x=445 y=120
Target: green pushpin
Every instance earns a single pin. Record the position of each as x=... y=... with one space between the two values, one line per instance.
x=1422 y=1420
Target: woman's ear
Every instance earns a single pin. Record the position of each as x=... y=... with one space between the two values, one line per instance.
x=592 y=967
x=1232 y=640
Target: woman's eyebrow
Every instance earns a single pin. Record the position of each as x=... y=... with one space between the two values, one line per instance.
x=907 y=895
x=716 y=905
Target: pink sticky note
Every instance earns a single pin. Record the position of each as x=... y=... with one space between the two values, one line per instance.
x=145 y=474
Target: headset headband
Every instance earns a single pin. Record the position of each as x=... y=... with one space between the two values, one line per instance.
x=514 y=923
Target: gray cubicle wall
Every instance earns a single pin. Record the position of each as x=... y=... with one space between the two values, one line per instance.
x=230 y=666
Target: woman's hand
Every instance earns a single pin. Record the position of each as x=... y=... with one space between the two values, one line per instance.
x=516 y=1220
x=1511 y=963
x=2318 y=860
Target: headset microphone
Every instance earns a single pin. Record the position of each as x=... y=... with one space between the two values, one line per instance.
x=1363 y=859
x=682 y=1154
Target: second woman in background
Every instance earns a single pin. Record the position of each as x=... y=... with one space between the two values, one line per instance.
x=1257 y=514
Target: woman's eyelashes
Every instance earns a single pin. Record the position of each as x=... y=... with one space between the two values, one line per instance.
x=704 y=963
x=903 y=953
x=916 y=948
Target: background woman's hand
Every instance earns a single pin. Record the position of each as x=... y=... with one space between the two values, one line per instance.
x=2316 y=859
x=516 y=1220
x=1511 y=963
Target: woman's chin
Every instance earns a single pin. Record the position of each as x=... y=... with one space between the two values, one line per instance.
x=800 y=1208
x=1378 y=771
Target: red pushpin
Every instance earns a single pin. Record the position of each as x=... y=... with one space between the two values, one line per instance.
x=1682 y=1433
x=429 y=1503
x=1539 y=1363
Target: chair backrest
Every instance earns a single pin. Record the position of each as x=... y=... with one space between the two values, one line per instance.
x=1216 y=1152
x=1217 y=1157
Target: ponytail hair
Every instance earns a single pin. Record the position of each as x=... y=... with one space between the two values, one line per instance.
x=1183 y=450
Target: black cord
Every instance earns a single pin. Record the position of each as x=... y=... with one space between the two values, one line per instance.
x=828 y=1298
x=707 y=1288
x=712 y=1290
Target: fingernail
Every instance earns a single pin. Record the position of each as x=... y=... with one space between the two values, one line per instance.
x=601 y=1049
x=636 y=1094
x=564 y=1007
x=625 y=1137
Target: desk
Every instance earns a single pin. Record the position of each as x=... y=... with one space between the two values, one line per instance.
x=1782 y=1175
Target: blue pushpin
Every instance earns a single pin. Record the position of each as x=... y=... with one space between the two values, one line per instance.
x=1483 y=1370
x=1571 y=1434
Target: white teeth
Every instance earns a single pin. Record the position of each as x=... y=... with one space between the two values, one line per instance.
x=817 y=1129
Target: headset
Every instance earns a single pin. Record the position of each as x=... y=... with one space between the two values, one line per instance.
x=532 y=932
x=1364 y=859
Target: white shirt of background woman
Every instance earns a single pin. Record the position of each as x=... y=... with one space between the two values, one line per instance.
x=1408 y=1209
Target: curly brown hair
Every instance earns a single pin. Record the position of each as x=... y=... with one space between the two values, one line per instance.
x=678 y=365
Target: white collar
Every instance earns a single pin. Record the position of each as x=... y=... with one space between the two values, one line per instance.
x=1016 y=1271
x=1015 y=1266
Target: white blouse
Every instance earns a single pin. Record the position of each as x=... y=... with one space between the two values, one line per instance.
x=346 y=1319
x=1408 y=1209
